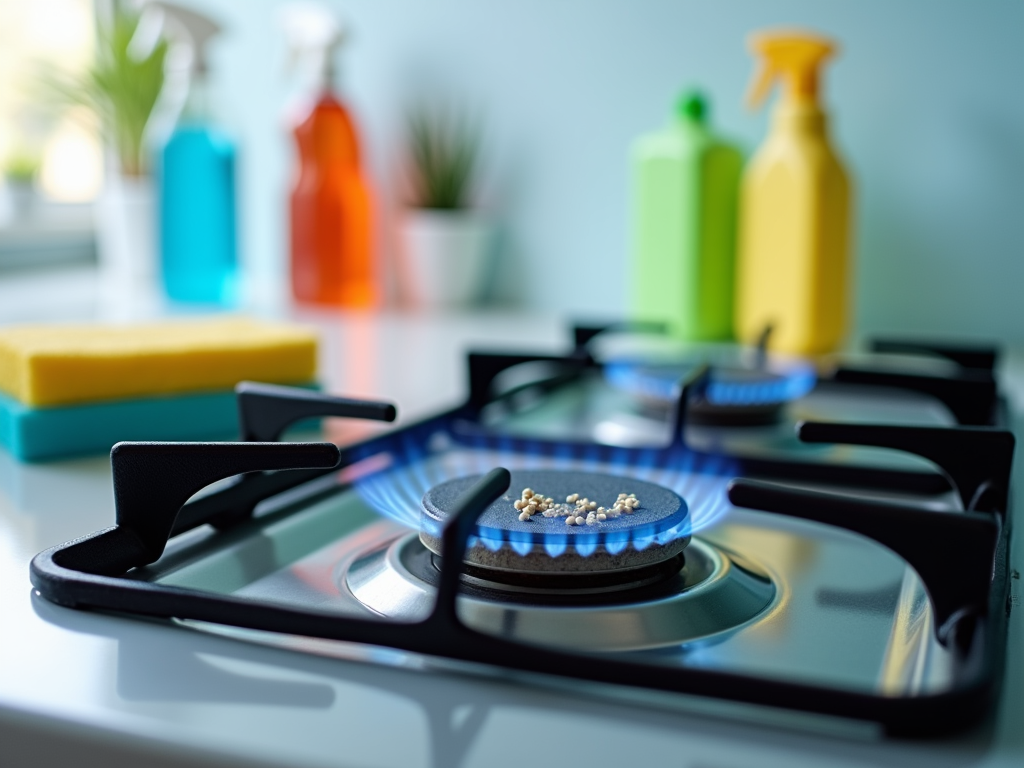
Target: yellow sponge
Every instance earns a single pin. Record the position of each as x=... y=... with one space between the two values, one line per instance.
x=60 y=364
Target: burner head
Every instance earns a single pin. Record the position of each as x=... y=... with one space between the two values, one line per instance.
x=736 y=394
x=655 y=532
x=741 y=397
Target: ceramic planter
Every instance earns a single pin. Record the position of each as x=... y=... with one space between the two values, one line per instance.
x=125 y=234
x=445 y=256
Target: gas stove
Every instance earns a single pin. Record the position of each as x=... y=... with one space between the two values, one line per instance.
x=850 y=569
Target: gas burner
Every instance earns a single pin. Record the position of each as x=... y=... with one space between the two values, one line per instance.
x=706 y=591
x=735 y=395
x=613 y=552
x=621 y=584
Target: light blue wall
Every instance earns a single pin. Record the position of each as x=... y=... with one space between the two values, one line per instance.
x=926 y=95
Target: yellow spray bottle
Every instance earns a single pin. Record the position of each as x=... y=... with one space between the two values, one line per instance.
x=794 y=242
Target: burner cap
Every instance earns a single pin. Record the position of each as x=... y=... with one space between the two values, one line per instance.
x=736 y=394
x=657 y=530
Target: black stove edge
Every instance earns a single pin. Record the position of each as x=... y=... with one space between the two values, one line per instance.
x=73 y=575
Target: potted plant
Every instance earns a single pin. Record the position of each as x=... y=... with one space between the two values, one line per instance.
x=20 y=172
x=444 y=240
x=121 y=88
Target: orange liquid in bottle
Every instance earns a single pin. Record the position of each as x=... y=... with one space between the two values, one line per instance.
x=331 y=213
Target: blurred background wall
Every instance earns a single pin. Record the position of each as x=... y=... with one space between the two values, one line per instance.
x=926 y=98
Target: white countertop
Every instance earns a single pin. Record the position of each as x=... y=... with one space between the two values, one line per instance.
x=90 y=689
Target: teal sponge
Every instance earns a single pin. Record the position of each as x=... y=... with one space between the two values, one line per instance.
x=32 y=434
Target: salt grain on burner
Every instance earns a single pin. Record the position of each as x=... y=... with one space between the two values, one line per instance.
x=531 y=503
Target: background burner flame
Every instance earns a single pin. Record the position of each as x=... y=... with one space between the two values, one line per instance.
x=781 y=382
x=418 y=464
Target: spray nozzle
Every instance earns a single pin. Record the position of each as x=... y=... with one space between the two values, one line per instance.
x=314 y=34
x=188 y=30
x=793 y=56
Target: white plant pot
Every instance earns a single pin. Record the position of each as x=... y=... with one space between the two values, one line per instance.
x=125 y=233
x=23 y=199
x=446 y=254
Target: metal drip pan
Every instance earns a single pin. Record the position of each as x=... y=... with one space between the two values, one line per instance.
x=710 y=595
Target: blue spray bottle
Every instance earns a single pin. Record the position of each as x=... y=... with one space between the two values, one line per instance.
x=198 y=250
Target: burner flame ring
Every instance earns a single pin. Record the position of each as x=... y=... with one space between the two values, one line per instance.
x=658 y=530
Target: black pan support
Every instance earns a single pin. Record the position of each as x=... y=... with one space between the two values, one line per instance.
x=977 y=461
x=971 y=396
x=954 y=553
x=554 y=371
x=976 y=357
x=152 y=481
x=265 y=411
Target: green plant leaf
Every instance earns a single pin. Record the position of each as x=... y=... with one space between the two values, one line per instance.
x=119 y=88
x=444 y=149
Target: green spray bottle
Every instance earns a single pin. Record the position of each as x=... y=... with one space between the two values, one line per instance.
x=685 y=190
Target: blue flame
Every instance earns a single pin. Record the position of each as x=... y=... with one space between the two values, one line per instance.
x=416 y=461
x=782 y=383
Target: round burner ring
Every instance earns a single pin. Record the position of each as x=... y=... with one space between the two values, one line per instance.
x=656 y=531
x=737 y=395
x=715 y=592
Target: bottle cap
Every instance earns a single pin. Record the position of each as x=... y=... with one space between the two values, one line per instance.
x=692 y=106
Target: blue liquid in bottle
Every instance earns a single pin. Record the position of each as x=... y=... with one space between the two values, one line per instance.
x=197 y=216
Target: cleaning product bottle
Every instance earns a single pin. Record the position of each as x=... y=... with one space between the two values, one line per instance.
x=794 y=241
x=196 y=173
x=331 y=225
x=685 y=186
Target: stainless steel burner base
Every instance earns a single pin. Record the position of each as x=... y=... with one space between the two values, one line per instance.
x=539 y=562
x=717 y=596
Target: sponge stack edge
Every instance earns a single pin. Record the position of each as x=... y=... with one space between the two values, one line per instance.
x=33 y=434
x=47 y=365
x=70 y=390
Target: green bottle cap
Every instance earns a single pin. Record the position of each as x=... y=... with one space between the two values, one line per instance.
x=692 y=106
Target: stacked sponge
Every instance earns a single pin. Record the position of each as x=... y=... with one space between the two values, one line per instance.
x=67 y=390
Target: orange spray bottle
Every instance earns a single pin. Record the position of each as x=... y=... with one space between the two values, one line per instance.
x=332 y=257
